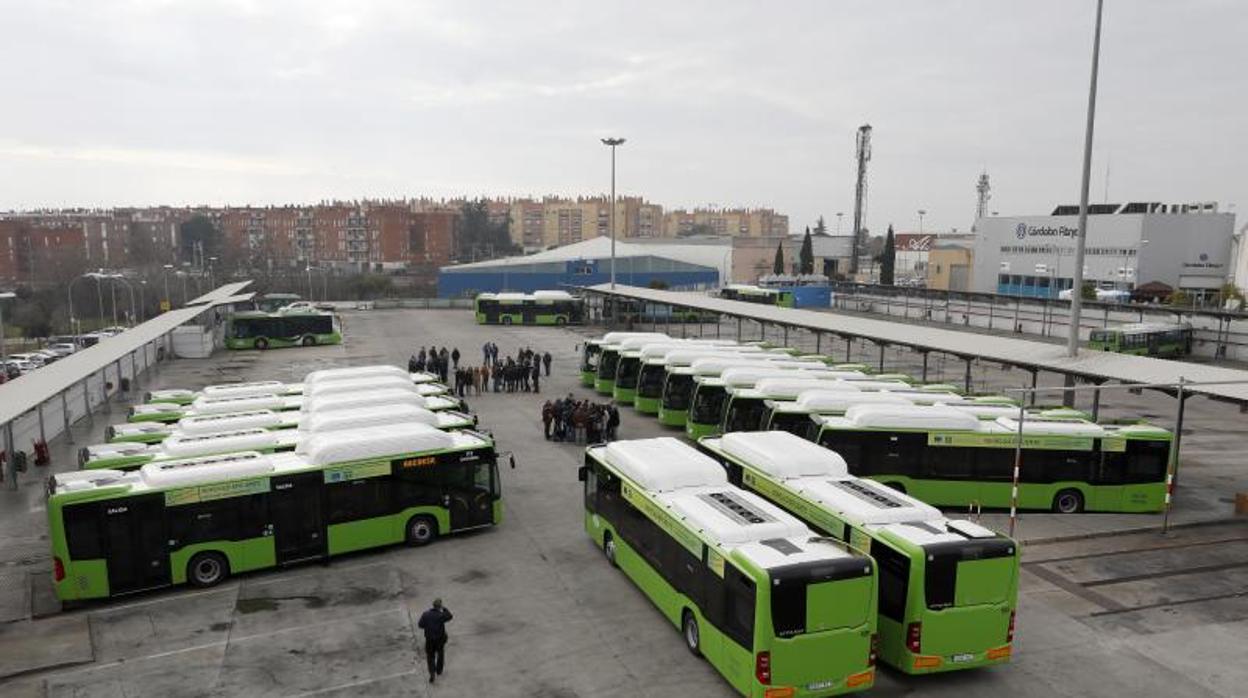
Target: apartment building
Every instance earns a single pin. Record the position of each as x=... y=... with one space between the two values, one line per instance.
x=740 y=222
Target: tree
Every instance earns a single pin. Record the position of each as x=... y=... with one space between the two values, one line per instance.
x=479 y=237
x=777 y=267
x=888 y=258
x=1088 y=292
x=658 y=284
x=821 y=228
x=1179 y=298
x=806 y=258
x=199 y=230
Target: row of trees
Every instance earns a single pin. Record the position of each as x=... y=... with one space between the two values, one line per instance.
x=805 y=264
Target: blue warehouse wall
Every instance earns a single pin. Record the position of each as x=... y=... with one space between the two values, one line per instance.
x=468 y=284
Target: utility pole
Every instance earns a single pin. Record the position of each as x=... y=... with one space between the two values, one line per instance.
x=863 y=152
x=613 y=142
x=1076 y=292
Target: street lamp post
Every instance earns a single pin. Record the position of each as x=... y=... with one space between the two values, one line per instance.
x=922 y=212
x=613 y=142
x=69 y=296
x=839 y=216
x=4 y=352
x=99 y=293
x=1076 y=293
x=167 y=300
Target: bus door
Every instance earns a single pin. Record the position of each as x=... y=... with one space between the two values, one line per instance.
x=470 y=493
x=136 y=544
x=528 y=312
x=298 y=519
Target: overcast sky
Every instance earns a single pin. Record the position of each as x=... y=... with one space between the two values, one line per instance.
x=726 y=103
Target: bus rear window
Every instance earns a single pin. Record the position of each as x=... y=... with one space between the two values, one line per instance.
x=822 y=596
x=967 y=573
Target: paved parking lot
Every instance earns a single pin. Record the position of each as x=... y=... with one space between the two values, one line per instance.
x=1106 y=609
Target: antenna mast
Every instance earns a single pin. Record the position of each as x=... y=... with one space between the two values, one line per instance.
x=984 y=190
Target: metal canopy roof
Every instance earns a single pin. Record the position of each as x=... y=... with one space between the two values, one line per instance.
x=1022 y=353
x=17 y=397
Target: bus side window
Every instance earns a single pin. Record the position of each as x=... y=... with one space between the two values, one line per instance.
x=199 y=523
x=994 y=463
x=739 y=602
x=82 y=531
x=899 y=453
x=948 y=462
x=1147 y=461
x=894 y=580
x=358 y=499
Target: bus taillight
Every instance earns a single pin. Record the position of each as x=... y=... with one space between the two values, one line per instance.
x=58 y=569
x=914 y=637
x=875 y=649
x=1009 y=636
x=762 y=667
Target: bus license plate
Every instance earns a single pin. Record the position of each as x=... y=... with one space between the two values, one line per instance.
x=962 y=658
x=820 y=685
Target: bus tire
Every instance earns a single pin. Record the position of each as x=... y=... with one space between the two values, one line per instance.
x=896 y=486
x=207 y=570
x=421 y=530
x=561 y=320
x=1068 y=502
x=608 y=548
x=308 y=340
x=692 y=633
x=262 y=344
x=506 y=321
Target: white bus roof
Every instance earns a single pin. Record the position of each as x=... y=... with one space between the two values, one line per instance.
x=374 y=442
x=221 y=405
x=1062 y=427
x=748 y=376
x=351 y=373
x=905 y=417
x=713 y=365
x=824 y=400
x=553 y=295
x=361 y=385
x=363 y=417
x=663 y=464
x=244 y=389
x=783 y=455
x=612 y=337
x=732 y=516
x=187 y=445
x=347 y=401
x=794 y=387
x=212 y=423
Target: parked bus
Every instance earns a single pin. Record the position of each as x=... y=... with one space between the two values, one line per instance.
x=183 y=396
x=947 y=457
x=537 y=308
x=948 y=588
x=775 y=609
x=714 y=383
x=634 y=353
x=367 y=388
x=256 y=330
x=757 y=294
x=1144 y=339
x=681 y=381
x=743 y=401
x=180 y=444
x=591 y=351
x=201 y=520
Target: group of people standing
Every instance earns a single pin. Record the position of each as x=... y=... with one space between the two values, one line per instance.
x=523 y=373
x=579 y=421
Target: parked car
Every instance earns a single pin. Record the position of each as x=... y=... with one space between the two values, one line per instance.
x=30 y=357
x=12 y=369
x=114 y=330
x=19 y=367
x=89 y=340
x=63 y=349
x=48 y=355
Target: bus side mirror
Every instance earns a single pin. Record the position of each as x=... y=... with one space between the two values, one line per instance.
x=582 y=473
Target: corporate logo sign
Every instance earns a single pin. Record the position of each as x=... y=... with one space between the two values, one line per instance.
x=1023 y=231
x=912 y=242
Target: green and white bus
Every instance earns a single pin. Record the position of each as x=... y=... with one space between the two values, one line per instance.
x=757 y=294
x=180 y=444
x=1144 y=339
x=679 y=386
x=947 y=457
x=183 y=396
x=537 y=308
x=433 y=393
x=775 y=609
x=715 y=382
x=591 y=351
x=634 y=352
x=257 y=330
x=201 y=520
x=948 y=588
x=740 y=403
x=652 y=376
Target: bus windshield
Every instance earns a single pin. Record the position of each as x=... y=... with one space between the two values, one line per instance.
x=708 y=404
x=626 y=371
x=744 y=414
x=798 y=423
x=967 y=573
x=814 y=597
x=650 y=380
x=589 y=360
x=676 y=392
x=607 y=363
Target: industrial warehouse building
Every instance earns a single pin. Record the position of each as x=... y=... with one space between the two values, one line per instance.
x=1185 y=246
x=675 y=266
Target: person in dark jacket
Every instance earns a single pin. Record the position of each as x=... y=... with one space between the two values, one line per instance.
x=455 y=357
x=537 y=377
x=433 y=622
x=546 y=362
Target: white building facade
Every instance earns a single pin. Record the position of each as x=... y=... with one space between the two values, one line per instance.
x=1185 y=246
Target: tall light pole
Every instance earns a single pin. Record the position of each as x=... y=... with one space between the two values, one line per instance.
x=4 y=353
x=99 y=293
x=1076 y=292
x=69 y=295
x=922 y=212
x=167 y=300
x=612 y=142
x=839 y=216
x=130 y=288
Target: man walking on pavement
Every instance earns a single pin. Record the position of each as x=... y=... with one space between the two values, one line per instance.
x=546 y=361
x=433 y=622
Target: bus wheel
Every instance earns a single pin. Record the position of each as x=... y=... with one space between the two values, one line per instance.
x=897 y=486
x=506 y=321
x=561 y=320
x=207 y=569
x=262 y=344
x=308 y=341
x=693 y=636
x=421 y=530
x=608 y=548
x=1068 y=502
